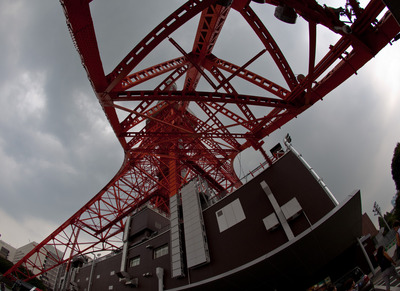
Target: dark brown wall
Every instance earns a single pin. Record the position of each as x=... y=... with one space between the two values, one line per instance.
x=147 y=265
x=249 y=239
x=290 y=178
x=103 y=269
x=147 y=262
x=368 y=227
x=235 y=246
x=145 y=223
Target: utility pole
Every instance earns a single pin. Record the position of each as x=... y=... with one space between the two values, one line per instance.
x=91 y=271
x=377 y=211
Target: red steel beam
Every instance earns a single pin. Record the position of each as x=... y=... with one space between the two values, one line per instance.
x=171 y=136
x=210 y=25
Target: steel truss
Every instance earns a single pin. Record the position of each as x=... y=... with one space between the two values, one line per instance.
x=170 y=135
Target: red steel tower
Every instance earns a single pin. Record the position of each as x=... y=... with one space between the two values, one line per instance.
x=170 y=134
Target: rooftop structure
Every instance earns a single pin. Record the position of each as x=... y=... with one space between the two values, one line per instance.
x=186 y=117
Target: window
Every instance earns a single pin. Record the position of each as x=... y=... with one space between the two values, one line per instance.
x=161 y=251
x=112 y=273
x=135 y=261
x=230 y=215
x=111 y=287
x=98 y=276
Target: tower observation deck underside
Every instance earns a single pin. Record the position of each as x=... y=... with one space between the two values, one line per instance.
x=194 y=111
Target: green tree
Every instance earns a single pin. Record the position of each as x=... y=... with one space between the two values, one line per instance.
x=396 y=166
x=34 y=281
x=396 y=211
x=389 y=218
x=6 y=264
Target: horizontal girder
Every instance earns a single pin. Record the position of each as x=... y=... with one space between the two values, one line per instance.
x=166 y=132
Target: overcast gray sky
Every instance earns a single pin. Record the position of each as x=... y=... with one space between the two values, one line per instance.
x=57 y=149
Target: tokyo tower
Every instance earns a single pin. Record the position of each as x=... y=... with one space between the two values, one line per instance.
x=190 y=116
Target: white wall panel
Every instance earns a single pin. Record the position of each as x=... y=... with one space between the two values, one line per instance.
x=195 y=237
x=230 y=215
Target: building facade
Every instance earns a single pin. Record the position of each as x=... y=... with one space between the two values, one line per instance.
x=7 y=251
x=280 y=230
x=50 y=278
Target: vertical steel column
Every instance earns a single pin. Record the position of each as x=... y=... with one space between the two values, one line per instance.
x=172 y=179
x=278 y=210
x=366 y=256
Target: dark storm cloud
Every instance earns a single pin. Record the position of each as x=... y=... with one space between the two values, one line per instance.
x=57 y=149
x=55 y=130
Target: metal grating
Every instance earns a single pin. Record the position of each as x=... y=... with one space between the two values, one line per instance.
x=177 y=264
x=195 y=237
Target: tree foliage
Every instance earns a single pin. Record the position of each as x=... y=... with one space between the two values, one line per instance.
x=389 y=218
x=396 y=166
x=396 y=211
x=6 y=264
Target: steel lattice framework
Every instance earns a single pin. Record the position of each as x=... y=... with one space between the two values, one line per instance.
x=170 y=135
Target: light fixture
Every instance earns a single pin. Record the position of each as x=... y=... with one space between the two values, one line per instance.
x=276 y=150
x=300 y=77
x=344 y=28
x=225 y=3
x=288 y=138
x=285 y=14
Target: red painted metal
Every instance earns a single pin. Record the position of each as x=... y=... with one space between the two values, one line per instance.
x=170 y=135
